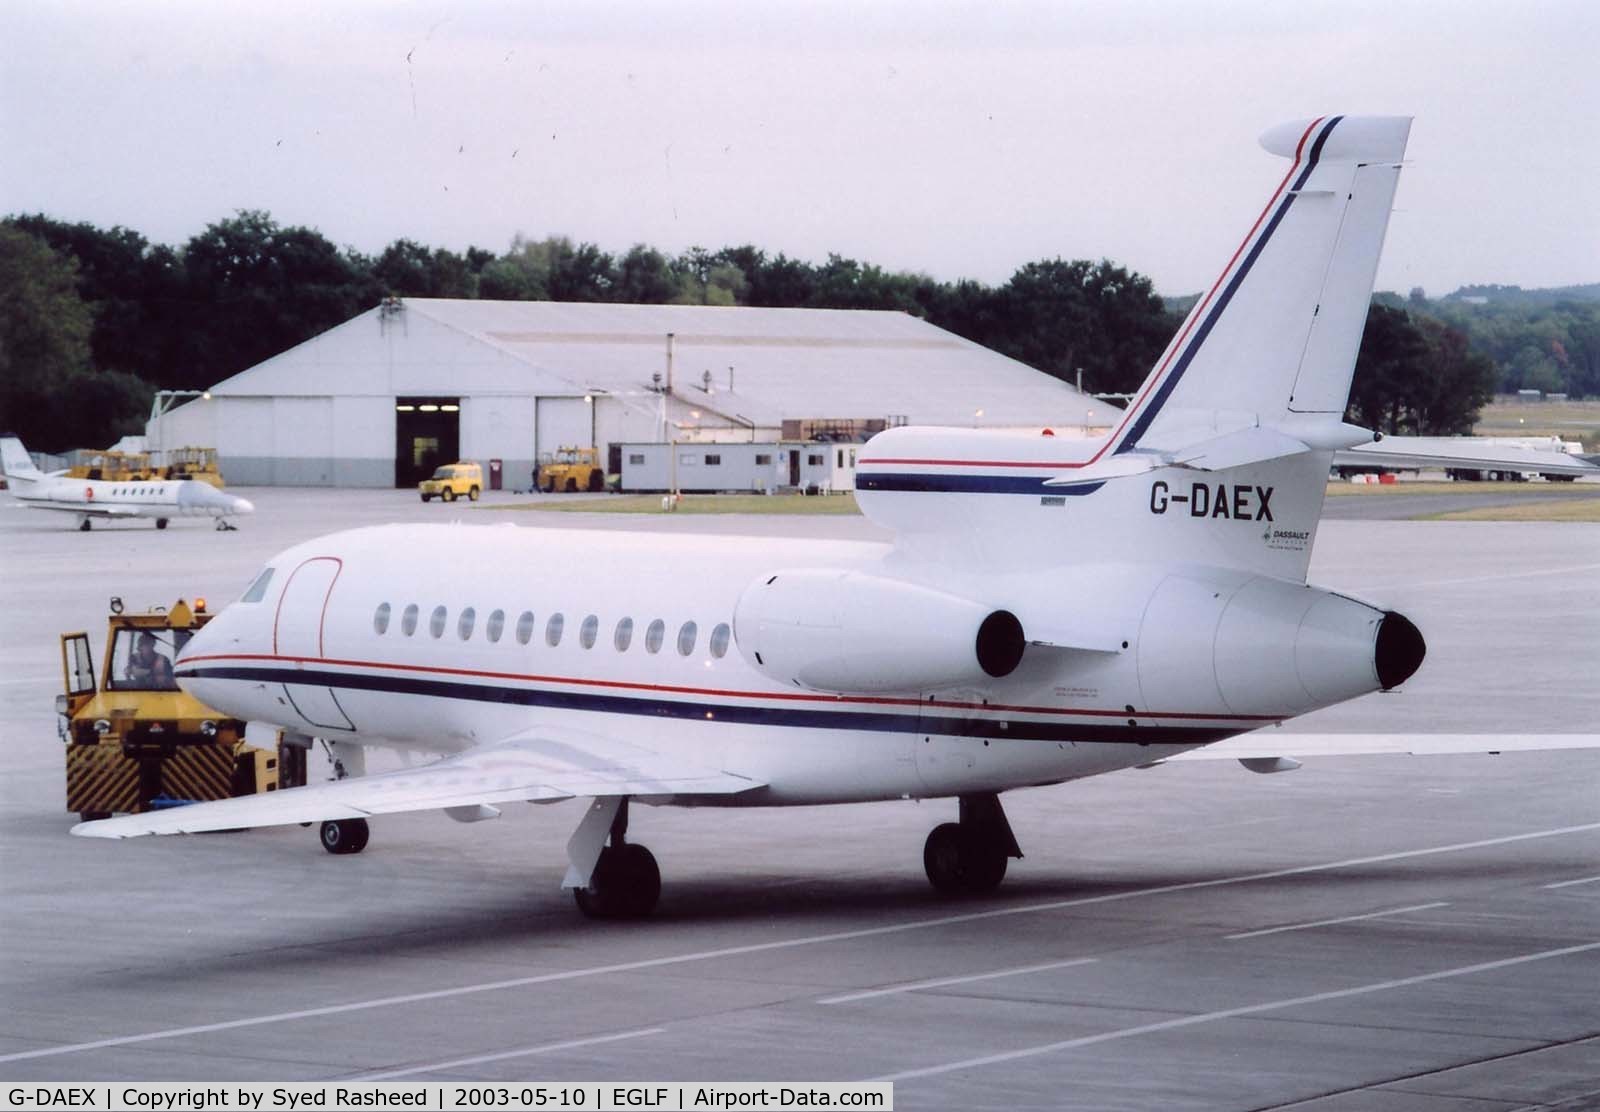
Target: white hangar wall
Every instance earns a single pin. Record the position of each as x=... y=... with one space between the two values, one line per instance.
x=407 y=385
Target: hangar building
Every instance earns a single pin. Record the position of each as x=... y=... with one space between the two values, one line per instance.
x=380 y=400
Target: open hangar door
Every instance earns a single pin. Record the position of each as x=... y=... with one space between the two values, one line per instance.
x=427 y=435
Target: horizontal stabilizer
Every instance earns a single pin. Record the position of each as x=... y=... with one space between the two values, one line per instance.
x=537 y=766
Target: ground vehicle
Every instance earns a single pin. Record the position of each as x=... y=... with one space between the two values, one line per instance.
x=192 y=463
x=136 y=742
x=137 y=467
x=570 y=469
x=452 y=481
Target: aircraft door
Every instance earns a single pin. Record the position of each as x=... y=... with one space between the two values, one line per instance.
x=297 y=635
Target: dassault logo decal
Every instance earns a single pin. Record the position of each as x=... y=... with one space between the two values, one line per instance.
x=1238 y=502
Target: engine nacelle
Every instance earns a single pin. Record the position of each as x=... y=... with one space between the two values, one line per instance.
x=852 y=633
x=1267 y=647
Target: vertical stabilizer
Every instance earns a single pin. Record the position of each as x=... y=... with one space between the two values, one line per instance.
x=15 y=461
x=1275 y=338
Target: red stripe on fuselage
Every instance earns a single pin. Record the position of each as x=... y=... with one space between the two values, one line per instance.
x=725 y=693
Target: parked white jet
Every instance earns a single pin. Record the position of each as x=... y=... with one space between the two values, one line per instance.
x=1048 y=609
x=162 y=499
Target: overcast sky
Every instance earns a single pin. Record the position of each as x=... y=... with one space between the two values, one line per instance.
x=957 y=139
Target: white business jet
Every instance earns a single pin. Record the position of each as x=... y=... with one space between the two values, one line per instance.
x=1049 y=609
x=115 y=500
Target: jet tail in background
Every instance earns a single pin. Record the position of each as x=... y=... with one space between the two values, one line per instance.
x=16 y=463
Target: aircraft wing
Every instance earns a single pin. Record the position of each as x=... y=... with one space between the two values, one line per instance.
x=1264 y=745
x=85 y=509
x=537 y=765
x=1465 y=452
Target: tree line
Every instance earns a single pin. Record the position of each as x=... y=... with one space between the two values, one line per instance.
x=93 y=321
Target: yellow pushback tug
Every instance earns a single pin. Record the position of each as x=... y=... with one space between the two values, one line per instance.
x=136 y=742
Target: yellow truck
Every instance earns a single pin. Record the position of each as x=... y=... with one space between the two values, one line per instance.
x=452 y=481
x=571 y=469
x=136 y=742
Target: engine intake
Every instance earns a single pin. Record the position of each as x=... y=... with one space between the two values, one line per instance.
x=852 y=633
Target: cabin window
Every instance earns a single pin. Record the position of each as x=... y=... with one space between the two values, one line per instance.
x=552 y=629
x=464 y=624
x=436 y=621
x=495 y=625
x=588 y=631
x=719 y=640
x=687 y=632
x=380 y=620
x=525 y=627
x=624 y=635
x=654 y=635
x=257 y=590
x=408 y=620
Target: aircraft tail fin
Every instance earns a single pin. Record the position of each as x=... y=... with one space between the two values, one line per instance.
x=15 y=461
x=1273 y=342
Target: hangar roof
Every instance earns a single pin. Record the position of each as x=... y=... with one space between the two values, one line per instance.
x=794 y=363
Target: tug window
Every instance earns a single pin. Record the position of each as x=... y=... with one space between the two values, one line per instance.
x=525 y=627
x=686 y=635
x=588 y=630
x=719 y=640
x=495 y=626
x=464 y=624
x=552 y=630
x=436 y=621
x=624 y=635
x=654 y=635
x=408 y=620
x=380 y=620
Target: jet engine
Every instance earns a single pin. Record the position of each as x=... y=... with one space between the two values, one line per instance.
x=852 y=633
x=1267 y=647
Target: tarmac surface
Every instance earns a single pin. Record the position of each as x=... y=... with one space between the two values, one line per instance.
x=1368 y=933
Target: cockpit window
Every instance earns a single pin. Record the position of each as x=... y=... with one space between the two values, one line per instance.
x=258 y=590
x=141 y=659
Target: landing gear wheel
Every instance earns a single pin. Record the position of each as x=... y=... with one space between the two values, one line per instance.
x=961 y=862
x=625 y=885
x=84 y=527
x=344 y=835
x=448 y=494
x=161 y=523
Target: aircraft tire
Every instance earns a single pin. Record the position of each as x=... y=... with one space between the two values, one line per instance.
x=341 y=836
x=959 y=861
x=161 y=523
x=84 y=528
x=625 y=885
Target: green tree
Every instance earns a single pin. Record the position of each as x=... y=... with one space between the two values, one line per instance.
x=50 y=395
x=408 y=269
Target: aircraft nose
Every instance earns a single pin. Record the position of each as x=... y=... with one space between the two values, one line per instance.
x=242 y=505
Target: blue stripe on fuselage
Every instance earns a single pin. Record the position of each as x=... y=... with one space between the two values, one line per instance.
x=968 y=484
x=897 y=722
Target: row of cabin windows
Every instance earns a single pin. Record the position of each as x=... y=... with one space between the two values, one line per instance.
x=588 y=631
x=129 y=491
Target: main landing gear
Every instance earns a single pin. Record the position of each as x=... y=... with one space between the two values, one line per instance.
x=226 y=526
x=623 y=880
x=343 y=836
x=969 y=857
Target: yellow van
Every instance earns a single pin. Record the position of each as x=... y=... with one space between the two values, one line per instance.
x=452 y=481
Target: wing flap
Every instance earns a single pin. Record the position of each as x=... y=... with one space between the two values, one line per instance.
x=537 y=766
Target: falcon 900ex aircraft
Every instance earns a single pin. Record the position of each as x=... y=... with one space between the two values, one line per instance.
x=112 y=500
x=1047 y=609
